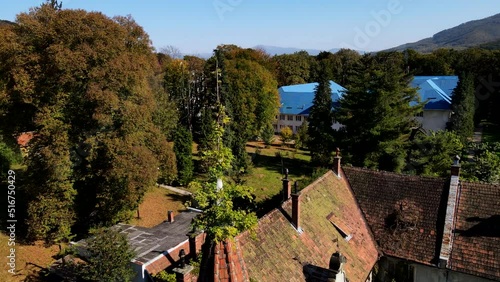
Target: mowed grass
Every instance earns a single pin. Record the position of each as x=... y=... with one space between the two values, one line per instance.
x=29 y=259
x=269 y=165
x=157 y=202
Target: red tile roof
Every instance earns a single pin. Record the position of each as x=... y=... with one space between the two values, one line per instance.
x=403 y=211
x=280 y=253
x=229 y=265
x=24 y=138
x=476 y=243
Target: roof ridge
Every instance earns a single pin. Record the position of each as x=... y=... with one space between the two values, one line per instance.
x=394 y=173
x=468 y=181
x=306 y=189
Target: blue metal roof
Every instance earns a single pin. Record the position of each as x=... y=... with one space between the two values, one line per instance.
x=297 y=99
x=436 y=91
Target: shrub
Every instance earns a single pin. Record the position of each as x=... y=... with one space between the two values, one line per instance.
x=286 y=135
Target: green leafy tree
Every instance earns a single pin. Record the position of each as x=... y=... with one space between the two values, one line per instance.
x=8 y=156
x=183 y=148
x=433 y=154
x=268 y=134
x=337 y=67
x=485 y=165
x=108 y=257
x=377 y=112
x=302 y=136
x=286 y=135
x=293 y=68
x=51 y=211
x=221 y=218
x=463 y=107
x=241 y=80
x=184 y=82
x=320 y=124
x=73 y=77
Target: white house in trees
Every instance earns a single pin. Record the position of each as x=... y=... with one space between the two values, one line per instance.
x=296 y=102
x=435 y=91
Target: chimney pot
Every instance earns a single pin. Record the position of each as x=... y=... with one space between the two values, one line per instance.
x=182 y=257
x=287 y=189
x=455 y=168
x=336 y=162
x=296 y=211
x=170 y=216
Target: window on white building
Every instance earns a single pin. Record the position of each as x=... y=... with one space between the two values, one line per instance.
x=290 y=117
x=282 y=117
x=298 y=118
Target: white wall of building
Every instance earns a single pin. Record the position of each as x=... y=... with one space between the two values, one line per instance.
x=430 y=120
x=285 y=120
x=294 y=122
x=435 y=119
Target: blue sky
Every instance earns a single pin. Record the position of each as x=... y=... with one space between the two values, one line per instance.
x=198 y=26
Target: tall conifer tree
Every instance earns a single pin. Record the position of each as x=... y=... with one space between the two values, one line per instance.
x=377 y=112
x=320 y=124
x=463 y=107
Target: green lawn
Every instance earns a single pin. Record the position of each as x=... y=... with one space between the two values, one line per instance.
x=268 y=170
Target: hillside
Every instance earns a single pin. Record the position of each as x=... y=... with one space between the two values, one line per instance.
x=469 y=34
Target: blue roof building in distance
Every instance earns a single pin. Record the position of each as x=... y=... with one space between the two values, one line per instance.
x=297 y=99
x=436 y=91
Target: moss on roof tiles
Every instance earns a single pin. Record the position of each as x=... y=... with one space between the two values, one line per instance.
x=279 y=252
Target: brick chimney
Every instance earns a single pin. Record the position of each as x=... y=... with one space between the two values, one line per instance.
x=449 y=224
x=296 y=209
x=184 y=272
x=287 y=186
x=336 y=163
x=455 y=168
x=170 y=216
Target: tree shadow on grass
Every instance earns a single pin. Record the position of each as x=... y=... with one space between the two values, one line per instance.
x=279 y=163
x=172 y=196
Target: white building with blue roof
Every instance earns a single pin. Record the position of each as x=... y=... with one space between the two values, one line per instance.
x=296 y=102
x=436 y=91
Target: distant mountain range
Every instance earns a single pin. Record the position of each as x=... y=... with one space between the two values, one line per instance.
x=484 y=33
x=274 y=50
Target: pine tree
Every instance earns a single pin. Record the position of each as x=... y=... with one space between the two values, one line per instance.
x=463 y=107
x=184 y=154
x=109 y=257
x=320 y=124
x=377 y=112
